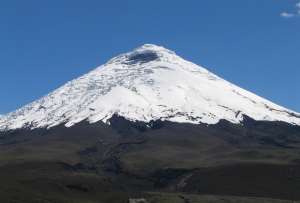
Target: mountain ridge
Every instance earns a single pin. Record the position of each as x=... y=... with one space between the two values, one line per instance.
x=146 y=84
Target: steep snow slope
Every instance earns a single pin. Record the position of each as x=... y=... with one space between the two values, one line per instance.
x=147 y=84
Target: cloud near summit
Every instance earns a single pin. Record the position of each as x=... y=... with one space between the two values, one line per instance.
x=291 y=14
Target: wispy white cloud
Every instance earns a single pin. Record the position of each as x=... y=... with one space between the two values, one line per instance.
x=292 y=14
x=287 y=15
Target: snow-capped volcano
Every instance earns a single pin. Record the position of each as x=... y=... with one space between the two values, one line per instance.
x=149 y=83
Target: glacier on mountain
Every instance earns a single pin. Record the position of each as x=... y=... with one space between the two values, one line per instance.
x=149 y=83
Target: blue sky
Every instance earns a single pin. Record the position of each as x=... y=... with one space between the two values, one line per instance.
x=252 y=43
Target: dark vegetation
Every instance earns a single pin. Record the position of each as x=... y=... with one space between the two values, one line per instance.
x=159 y=161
